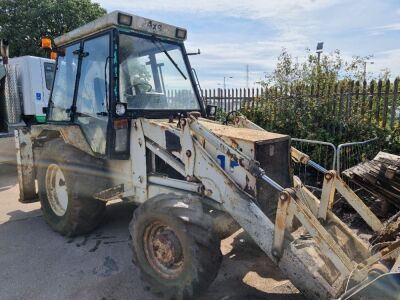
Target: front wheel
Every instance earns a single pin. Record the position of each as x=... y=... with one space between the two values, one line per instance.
x=67 y=179
x=175 y=247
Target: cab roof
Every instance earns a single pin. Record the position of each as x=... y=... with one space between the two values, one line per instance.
x=119 y=19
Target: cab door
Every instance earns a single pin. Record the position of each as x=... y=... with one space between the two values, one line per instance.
x=92 y=101
x=62 y=94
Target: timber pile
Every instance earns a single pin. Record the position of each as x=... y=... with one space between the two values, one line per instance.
x=380 y=176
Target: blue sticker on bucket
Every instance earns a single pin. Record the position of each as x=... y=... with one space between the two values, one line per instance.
x=38 y=96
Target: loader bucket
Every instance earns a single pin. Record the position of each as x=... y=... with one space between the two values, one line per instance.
x=385 y=286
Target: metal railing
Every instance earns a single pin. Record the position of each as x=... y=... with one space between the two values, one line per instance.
x=331 y=157
x=323 y=153
x=351 y=154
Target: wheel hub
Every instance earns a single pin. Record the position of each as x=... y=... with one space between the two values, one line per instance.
x=163 y=250
x=167 y=248
x=56 y=189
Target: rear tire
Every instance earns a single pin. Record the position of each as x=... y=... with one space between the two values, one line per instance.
x=67 y=179
x=174 y=246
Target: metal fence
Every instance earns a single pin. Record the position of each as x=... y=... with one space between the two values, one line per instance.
x=351 y=154
x=331 y=157
x=323 y=153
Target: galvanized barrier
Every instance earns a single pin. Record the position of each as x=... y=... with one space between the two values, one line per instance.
x=323 y=153
x=351 y=154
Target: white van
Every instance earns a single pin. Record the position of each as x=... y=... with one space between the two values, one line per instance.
x=35 y=78
x=24 y=92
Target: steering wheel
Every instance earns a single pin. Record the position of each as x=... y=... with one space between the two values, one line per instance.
x=140 y=87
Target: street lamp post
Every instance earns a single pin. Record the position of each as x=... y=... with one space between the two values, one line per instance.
x=320 y=46
x=365 y=68
x=225 y=80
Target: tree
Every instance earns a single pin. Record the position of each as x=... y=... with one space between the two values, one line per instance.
x=24 y=22
x=331 y=68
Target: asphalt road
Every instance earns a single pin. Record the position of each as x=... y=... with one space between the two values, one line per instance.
x=37 y=263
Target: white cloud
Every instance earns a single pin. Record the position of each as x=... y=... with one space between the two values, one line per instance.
x=252 y=9
x=292 y=24
x=386 y=59
x=390 y=27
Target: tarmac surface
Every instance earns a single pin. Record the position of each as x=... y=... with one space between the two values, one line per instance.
x=37 y=263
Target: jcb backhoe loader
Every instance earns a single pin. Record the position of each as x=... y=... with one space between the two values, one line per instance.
x=125 y=120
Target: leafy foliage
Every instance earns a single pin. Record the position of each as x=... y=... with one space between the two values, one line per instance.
x=24 y=22
x=315 y=100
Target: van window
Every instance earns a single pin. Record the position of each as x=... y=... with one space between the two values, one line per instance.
x=49 y=74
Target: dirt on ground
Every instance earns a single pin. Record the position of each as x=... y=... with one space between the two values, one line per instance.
x=37 y=263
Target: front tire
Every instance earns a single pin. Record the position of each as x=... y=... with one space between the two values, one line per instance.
x=174 y=246
x=67 y=179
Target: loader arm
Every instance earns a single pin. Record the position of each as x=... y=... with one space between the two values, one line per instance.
x=316 y=216
x=319 y=267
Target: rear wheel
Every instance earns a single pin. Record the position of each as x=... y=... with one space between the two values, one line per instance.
x=67 y=180
x=174 y=246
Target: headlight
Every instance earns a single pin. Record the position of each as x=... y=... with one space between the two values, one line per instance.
x=124 y=19
x=120 y=109
x=180 y=33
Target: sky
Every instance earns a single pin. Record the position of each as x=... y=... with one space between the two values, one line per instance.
x=232 y=34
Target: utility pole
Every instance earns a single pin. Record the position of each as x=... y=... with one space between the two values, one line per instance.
x=225 y=81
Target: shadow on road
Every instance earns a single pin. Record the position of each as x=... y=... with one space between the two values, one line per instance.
x=8 y=176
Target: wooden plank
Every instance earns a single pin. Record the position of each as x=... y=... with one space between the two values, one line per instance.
x=378 y=101
x=357 y=95
x=219 y=99
x=370 y=100
x=228 y=99
x=328 y=97
x=394 y=103
x=334 y=98
x=341 y=110
x=349 y=100
x=240 y=98
x=213 y=97
x=258 y=98
x=252 y=100
x=364 y=98
x=262 y=98
x=385 y=104
x=236 y=99
x=225 y=102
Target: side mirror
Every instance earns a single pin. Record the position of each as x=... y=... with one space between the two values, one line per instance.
x=194 y=53
x=211 y=111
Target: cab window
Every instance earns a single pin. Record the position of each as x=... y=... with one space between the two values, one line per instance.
x=92 y=98
x=64 y=85
x=154 y=75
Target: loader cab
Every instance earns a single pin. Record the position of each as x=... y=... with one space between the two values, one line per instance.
x=118 y=68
